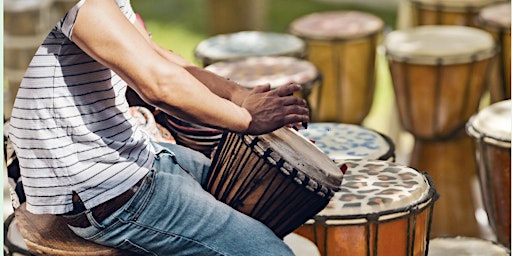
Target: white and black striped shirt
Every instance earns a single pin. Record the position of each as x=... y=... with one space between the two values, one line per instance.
x=71 y=127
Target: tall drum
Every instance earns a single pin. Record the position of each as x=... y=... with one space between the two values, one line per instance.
x=491 y=129
x=496 y=20
x=382 y=208
x=447 y=12
x=243 y=44
x=438 y=75
x=342 y=44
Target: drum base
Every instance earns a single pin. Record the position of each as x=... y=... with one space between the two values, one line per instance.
x=452 y=167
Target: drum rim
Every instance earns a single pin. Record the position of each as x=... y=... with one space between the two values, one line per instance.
x=493 y=25
x=307 y=36
x=480 y=135
x=201 y=54
x=396 y=54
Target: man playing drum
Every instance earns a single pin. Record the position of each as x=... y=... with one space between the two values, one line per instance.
x=81 y=157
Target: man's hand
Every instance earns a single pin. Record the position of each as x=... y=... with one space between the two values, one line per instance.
x=273 y=109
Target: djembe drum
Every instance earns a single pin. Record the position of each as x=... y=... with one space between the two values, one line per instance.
x=350 y=141
x=279 y=178
x=244 y=44
x=342 y=45
x=382 y=208
x=465 y=246
x=491 y=129
x=276 y=70
x=446 y=12
x=495 y=19
x=438 y=75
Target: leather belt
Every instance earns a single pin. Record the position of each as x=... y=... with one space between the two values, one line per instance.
x=102 y=211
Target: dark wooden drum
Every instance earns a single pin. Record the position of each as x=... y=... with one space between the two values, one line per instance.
x=280 y=178
x=491 y=129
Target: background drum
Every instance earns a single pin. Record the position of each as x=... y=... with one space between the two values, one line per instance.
x=491 y=129
x=382 y=209
x=438 y=75
x=243 y=44
x=465 y=246
x=349 y=141
x=495 y=19
x=446 y=12
x=342 y=45
x=276 y=70
x=280 y=178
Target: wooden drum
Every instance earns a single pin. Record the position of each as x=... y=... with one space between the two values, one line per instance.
x=382 y=209
x=342 y=44
x=495 y=19
x=243 y=44
x=447 y=12
x=279 y=178
x=438 y=75
x=276 y=70
x=350 y=141
x=491 y=129
x=465 y=246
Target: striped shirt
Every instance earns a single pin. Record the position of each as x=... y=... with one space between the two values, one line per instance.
x=71 y=126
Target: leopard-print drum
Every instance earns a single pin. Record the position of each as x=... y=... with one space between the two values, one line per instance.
x=383 y=208
x=348 y=141
x=245 y=44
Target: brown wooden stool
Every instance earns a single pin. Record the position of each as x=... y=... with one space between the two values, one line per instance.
x=48 y=234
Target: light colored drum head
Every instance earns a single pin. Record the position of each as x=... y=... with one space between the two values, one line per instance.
x=300 y=154
x=249 y=43
x=462 y=5
x=276 y=70
x=497 y=15
x=439 y=44
x=493 y=124
x=374 y=186
x=349 y=141
x=300 y=245
x=465 y=246
x=336 y=25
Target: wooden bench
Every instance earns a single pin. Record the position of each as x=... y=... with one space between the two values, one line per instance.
x=47 y=234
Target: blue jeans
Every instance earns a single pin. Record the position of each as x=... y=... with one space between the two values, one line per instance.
x=171 y=214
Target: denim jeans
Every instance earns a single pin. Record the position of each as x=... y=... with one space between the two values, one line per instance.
x=171 y=214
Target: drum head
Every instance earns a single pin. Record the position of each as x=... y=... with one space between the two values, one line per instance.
x=439 y=44
x=493 y=124
x=300 y=154
x=276 y=70
x=249 y=43
x=348 y=141
x=373 y=186
x=465 y=246
x=336 y=25
x=497 y=16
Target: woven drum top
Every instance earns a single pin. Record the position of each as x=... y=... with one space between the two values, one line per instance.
x=439 y=44
x=493 y=123
x=249 y=43
x=303 y=156
x=373 y=186
x=346 y=141
x=497 y=15
x=465 y=246
x=276 y=70
x=336 y=25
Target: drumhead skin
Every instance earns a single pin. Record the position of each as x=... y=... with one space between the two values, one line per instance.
x=374 y=186
x=493 y=124
x=439 y=44
x=349 y=141
x=334 y=25
x=276 y=70
x=497 y=16
x=247 y=44
x=465 y=246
